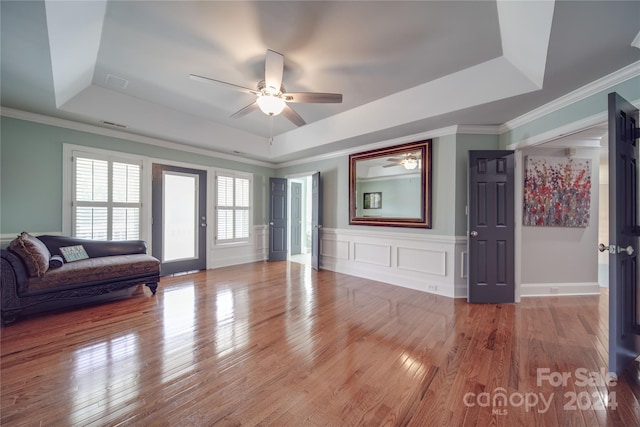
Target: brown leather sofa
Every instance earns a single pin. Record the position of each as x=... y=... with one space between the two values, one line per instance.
x=35 y=278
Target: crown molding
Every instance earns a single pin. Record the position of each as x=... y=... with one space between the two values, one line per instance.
x=636 y=41
x=451 y=130
x=623 y=74
x=113 y=133
x=436 y=133
x=566 y=130
x=479 y=129
x=560 y=132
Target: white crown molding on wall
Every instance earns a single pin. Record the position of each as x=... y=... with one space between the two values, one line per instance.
x=113 y=133
x=563 y=131
x=451 y=130
x=560 y=132
x=435 y=133
x=624 y=74
x=636 y=41
x=478 y=130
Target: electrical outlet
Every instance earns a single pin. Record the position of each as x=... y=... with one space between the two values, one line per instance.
x=433 y=288
x=554 y=290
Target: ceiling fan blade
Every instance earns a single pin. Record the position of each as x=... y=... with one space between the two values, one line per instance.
x=273 y=70
x=313 y=97
x=294 y=117
x=218 y=82
x=392 y=159
x=244 y=111
x=390 y=166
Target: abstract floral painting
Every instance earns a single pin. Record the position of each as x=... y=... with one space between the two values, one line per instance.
x=557 y=192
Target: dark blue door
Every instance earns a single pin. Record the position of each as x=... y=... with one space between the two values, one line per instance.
x=624 y=321
x=491 y=223
x=278 y=219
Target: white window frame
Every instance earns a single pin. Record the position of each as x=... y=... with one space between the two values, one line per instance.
x=235 y=175
x=68 y=185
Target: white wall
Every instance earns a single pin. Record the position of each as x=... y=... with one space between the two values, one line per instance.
x=603 y=226
x=428 y=263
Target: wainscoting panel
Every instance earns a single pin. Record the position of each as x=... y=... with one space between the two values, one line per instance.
x=372 y=254
x=417 y=261
x=233 y=254
x=335 y=249
x=423 y=261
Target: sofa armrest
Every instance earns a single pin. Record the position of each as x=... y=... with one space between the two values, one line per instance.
x=95 y=248
x=14 y=278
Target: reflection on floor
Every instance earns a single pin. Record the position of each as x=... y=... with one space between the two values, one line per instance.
x=301 y=259
x=281 y=344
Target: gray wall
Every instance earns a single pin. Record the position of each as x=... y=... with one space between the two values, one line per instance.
x=445 y=191
x=563 y=254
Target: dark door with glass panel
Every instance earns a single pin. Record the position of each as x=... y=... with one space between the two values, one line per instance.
x=624 y=298
x=179 y=218
x=490 y=247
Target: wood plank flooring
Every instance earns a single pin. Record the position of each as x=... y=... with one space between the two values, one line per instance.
x=279 y=344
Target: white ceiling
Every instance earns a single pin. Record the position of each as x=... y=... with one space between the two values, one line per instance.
x=402 y=67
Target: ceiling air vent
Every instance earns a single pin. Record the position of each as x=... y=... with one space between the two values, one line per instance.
x=115 y=81
x=117 y=125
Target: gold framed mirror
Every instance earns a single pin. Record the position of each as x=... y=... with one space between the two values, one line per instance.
x=391 y=186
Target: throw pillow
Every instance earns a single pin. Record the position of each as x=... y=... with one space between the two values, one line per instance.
x=73 y=253
x=56 y=261
x=34 y=253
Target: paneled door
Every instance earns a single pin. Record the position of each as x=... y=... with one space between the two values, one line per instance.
x=624 y=298
x=491 y=224
x=179 y=200
x=278 y=219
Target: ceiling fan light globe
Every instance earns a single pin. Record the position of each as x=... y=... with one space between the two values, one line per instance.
x=270 y=105
x=410 y=163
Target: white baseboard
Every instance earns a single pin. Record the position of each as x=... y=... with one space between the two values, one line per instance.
x=558 y=289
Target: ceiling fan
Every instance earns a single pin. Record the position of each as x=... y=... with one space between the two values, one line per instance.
x=272 y=97
x=410 y=161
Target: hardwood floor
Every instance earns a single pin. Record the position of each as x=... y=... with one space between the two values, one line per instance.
x=280 y=344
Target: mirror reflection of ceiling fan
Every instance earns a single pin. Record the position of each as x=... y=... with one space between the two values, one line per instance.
x=409 y=161
x=272 y=97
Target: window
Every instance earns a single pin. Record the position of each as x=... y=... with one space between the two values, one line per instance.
x=232 y=208
x=106 y=197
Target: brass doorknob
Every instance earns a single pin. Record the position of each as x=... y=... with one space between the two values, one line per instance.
x=474 y=233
